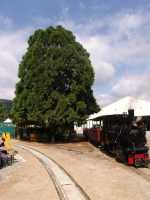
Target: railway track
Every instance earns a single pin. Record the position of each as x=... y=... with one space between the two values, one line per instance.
x=67 y=188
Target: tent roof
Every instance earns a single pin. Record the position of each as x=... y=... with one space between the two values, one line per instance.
x=8 y=120
x=141 y=108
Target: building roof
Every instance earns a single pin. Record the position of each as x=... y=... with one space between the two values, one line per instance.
x=141 y=108
x=8 y=120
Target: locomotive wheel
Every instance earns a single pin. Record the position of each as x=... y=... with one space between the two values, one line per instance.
x=120 y=156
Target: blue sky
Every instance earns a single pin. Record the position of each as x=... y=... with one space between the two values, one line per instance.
x=116 y=34
x=24 y=12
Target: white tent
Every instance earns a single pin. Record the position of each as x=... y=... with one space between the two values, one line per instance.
x=8 y=121
x=141 y=108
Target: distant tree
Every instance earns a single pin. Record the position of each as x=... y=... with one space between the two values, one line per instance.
x=3 y=113
x=56 y=77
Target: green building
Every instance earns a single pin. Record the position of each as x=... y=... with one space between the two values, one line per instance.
x=9 y=127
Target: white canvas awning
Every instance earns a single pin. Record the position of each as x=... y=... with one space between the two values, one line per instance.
x=141 y=108
x=8 y=121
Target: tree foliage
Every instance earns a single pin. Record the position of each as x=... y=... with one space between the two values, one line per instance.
x=3 y=113
x=56 y=77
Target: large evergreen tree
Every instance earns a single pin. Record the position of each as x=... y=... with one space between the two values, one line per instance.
x=56 y=77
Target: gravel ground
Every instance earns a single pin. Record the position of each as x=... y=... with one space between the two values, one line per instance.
x=100 y=176
x=26 y=180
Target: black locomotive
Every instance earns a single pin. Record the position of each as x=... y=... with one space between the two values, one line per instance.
x=124 y=136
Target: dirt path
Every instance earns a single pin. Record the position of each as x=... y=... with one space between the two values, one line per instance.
x=100 y=176
x=26 y=181
x=67 y=188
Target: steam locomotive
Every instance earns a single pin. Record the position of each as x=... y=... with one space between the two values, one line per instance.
x=123 y=136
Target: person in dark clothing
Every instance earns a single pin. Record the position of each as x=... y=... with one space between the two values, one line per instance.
x=2 y=140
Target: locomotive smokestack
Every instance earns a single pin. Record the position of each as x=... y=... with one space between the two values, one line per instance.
x=131 y=115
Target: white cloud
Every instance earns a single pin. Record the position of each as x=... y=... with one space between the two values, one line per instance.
x=137 y=86
x=129 y=39
x=12 y=47
x=133 y=85
x=104 y=99
x=98 y=48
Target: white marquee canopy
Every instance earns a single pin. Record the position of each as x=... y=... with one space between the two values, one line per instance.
x=8 y=120
x=141 y=108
